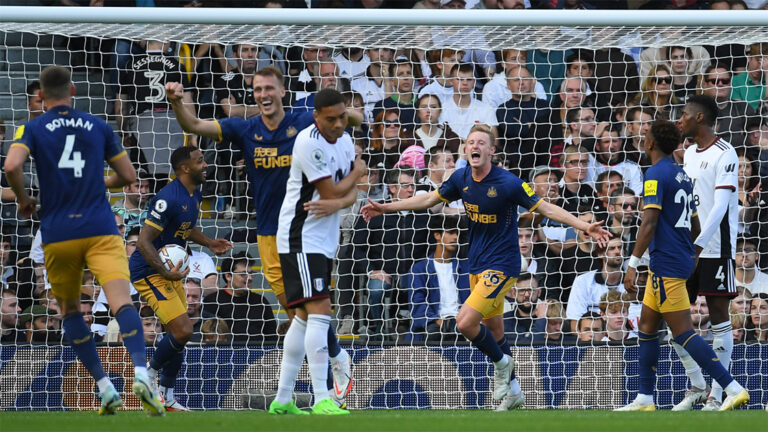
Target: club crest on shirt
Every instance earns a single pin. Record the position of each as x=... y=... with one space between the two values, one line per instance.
x=291 y=131
x=257 y=137
x=492 y=192
x=466 y=188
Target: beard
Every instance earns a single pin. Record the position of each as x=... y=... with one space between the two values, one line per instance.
x=46 y=336
x=526 y=308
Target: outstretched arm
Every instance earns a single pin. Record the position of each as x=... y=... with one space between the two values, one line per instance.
x=600 y=235
x=416 y=202
x=218 y=246
x=186 y=118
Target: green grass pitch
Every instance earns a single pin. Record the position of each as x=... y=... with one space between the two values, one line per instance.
x=390 y=421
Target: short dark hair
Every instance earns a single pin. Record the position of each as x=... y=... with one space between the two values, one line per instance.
x=707 y=106
x=590 y=316
x=85 y=298
x=666 y=135
x=583 y=57
x=393 y=175
x=524 y=276
x=397 y=63
x=181 y=155
x=742 y=240
x=432 y=152
x=32 y=87
x=620 y=192
x=55 y=82
x=713 y=67
x=327 y=97
x=634 y=111
x=464 y=68
x=445 y=223
x=136 y=230
x=229 y=264
x=688 y=51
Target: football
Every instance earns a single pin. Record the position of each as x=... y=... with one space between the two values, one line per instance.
x=171 y=254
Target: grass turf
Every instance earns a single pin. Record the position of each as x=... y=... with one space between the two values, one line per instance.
x=394 y=420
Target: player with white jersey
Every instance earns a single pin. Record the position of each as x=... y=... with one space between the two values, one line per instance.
x=713 y=166
x=322 y=180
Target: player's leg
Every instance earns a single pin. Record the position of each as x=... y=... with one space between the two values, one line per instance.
x=270 y=267
x=340 y=380
x=722 y=343
x=64 y=262
x=699 y=389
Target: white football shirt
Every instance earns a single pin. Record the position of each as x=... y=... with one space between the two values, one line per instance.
x=716 y=167
x=314 y=159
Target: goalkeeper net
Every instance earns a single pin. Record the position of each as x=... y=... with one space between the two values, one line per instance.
x=570 y=104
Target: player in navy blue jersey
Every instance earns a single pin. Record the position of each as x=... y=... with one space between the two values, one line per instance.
x=171 y=219
x=669 y=223
x=77 y=226
x=267 y=142
x=491 y=196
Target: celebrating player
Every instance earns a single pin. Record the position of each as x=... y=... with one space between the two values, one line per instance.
x=669 y=218
x=172 y=219
x=324 y=167
x=77 y=225
x=269 y=139
x=491 y=196
x=713 y=166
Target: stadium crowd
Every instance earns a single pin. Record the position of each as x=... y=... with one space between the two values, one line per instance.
x=571 y=123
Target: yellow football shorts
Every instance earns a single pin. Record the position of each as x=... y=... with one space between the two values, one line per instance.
x=270 y=263
x=487 y=292
x=665 y=294
x=103 y=255
x=167 y=298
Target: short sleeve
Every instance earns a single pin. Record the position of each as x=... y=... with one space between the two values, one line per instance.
x=113 y=147
x=160 y=212
x=653 y=194
x=727 y=171
x=311 y=159
x=23 y=138
x=231 y=129
x=450 y=190
x=522 y=194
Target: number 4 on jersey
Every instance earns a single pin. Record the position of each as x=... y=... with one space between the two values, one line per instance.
x=70 y=159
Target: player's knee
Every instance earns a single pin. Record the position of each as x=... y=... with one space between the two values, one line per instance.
x=465 y=326
x=182 y=331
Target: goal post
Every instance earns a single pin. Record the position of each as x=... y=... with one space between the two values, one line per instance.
x=403 y=356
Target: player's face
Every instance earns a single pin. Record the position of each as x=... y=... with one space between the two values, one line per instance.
x=478 y=149
x=197 y=167
x=759 y=313
x=9 y=310
x=689 y=125
x=331 y=121
x=268 y=92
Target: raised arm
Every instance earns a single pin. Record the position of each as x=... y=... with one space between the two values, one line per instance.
x=124 y=174
x=600 y=235
x=186 y=117
x=14 y=164
x=416 y=202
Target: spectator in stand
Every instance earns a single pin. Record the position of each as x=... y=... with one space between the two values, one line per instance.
x=385 y=247
x=638 y=123
x=86 y=308
x=521 y=322
x=623 y=216
x=548 y=66
x=656 y=92
x=202 y=268
x=606 y=183
x=9 y=318
x=548 y=129
x=132 y=208
x=750 y=86
x=684 y=83
x=498 y=91
x=576 y=192
x=614 y=309
x=438 y=285
x=757 y=142
x=580 y=127
x=555 y=333
x=738 y=323
x=589 y=287
x=590 y=328
x=581 y=64
x=700 y=318
x=302 y=68
x=352 y=63
x=464 y=110
x=741 y=303
x=747 y=274
x=608 y=155
x=530 y=260
x=757 y=323
x=402 y=98
x=215 y=331
x=544 y=181
x=327 y=78
x=697 y=60
x=6 y=263
x=441 y=63
x=41 y=325
x=617 y=76
x=752 y=209
x=247 y=313
x=517 y=114
x=14 y=132
x=733 y=114
x=432 y=132
x=234 y=89
x=141 y=101
x=151 y=325
x=440 y=165
x=427 y=4
x=562 y=271
x=388 y=138
x=373 y=85
x=195 y=307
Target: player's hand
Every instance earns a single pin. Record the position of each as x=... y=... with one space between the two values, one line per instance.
x=220 y=246
x=598 y=233
x=174 y=91
x=629 y=281
x=372 y=209
x=176 y=273
x=27 y=206
x=322 y=208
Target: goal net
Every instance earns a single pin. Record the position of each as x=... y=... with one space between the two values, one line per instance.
x=570 y=104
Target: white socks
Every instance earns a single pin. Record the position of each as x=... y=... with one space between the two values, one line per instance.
x=167 y=393
x=501 y=363
x=644 y=399
x=141 y=372
x=692 y=368
x=316 y=345
x=104 y=384
x=723 y=346
x=293 y=357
